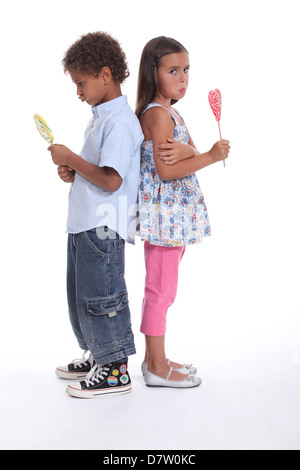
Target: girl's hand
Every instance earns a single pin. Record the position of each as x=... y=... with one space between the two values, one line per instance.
x=220 y=150
x=66 y=173
x=61 y=155
x=174 y=151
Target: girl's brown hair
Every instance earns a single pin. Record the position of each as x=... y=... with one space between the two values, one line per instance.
x=148 y=79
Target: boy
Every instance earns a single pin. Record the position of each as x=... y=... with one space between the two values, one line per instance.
x=102 y=216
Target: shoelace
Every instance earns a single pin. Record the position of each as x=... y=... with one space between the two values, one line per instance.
x=82 y=362
x=96 y=375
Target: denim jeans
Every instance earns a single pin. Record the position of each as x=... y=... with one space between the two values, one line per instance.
x=97 y=295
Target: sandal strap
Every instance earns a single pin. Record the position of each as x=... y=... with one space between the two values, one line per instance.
x=170 y=372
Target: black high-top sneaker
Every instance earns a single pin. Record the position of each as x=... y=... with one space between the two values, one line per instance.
x=112 y=378
x=77 y=369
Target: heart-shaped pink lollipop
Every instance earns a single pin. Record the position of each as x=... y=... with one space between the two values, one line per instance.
x=215 y=101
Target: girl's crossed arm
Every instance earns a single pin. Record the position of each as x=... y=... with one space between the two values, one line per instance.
x=158 y=127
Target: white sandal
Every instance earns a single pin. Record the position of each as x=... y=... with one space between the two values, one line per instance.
x=187 y=369
x=153 y=380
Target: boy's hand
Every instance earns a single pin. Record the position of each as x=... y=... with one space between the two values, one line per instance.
x=66 y=174
x=220 y=150
x=61 y=155
x=175 y=151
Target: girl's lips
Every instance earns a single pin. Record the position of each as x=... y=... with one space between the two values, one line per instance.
x=183 y=90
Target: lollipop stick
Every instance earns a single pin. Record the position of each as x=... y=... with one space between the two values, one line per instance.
x=221 y=139
x=220 y=130
x=215 y=102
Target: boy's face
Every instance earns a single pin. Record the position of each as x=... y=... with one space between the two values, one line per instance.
x=91 y=89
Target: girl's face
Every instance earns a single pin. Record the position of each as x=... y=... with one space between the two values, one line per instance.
x=173 y=76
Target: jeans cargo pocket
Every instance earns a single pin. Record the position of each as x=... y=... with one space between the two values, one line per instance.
x=119 y=253
x=109 y=320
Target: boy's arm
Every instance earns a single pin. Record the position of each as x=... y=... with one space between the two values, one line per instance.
x=66 y=174
x=106 y=178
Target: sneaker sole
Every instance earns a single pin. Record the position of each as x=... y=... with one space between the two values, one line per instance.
x=63 y=374
x=75 y=392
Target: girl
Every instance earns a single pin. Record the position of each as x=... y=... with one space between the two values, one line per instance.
x=172 y=210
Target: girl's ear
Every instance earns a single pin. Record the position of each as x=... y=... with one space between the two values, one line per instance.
x=106 y=75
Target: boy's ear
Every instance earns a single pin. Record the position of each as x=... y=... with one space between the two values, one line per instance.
x=106 y=75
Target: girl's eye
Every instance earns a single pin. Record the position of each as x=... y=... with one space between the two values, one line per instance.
x=186 y=70
x=172 y=72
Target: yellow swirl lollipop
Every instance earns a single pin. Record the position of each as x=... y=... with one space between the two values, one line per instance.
x=43 y=128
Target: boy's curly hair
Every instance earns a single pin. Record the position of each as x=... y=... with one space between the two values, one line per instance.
x=92 y=52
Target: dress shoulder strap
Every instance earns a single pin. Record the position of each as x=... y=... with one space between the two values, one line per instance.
x=153 y=105
x=177 y=112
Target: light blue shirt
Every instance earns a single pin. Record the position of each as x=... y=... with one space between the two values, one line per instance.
x=113 y=138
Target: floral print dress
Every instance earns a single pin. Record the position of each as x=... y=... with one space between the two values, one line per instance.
x=171 y=213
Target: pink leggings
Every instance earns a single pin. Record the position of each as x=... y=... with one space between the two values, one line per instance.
x=160 y=286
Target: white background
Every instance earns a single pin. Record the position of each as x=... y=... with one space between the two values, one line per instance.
x=237 y=312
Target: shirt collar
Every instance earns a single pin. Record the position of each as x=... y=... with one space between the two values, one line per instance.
x=104 y=108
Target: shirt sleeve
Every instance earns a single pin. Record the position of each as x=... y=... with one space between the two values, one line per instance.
x=117 y=148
